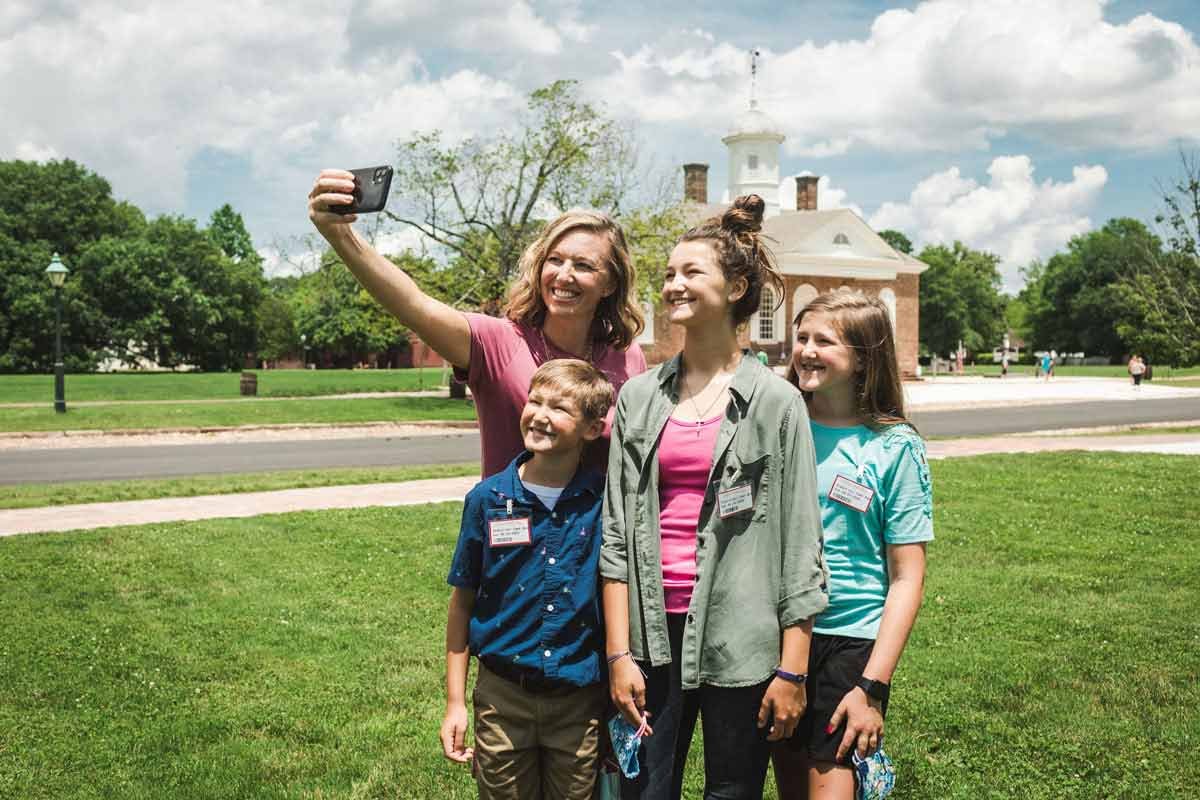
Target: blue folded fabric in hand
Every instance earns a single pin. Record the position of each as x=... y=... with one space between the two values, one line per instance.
x=874 y=776
x=625 y=742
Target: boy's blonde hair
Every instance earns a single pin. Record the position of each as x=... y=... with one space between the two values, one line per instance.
x=580 y=381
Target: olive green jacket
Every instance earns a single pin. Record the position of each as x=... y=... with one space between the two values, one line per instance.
x=758 y=571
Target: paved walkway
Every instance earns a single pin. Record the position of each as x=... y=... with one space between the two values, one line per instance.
x=140 y=512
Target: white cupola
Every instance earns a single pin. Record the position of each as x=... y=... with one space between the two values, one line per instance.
x=753 y=143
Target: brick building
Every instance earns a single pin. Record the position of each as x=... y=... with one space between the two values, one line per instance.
x=816 y=250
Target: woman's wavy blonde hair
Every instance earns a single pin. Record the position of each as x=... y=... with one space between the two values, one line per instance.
x=618 y=319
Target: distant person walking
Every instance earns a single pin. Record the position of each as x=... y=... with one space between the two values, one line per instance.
x=1004 y=365
x=1053 y=363
x=1137 y=368
x=1047 y=363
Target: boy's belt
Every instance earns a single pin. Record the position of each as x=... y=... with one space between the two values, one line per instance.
x=530 y=680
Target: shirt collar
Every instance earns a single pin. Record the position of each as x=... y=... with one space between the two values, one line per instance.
x=745 y=378
x=509 y=483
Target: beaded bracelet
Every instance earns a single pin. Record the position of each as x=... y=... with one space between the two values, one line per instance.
x=618 y=656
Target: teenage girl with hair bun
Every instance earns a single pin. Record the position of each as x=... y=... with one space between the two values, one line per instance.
x=711 y=560
x=876 y=509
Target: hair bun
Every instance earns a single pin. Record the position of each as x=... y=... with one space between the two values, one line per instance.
x=745 y=215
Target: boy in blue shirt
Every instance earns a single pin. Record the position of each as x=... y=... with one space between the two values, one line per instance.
x=525 y=602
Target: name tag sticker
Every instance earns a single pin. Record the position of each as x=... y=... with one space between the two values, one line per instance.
x=732 y=501
x=509 y=532
x=851 y=494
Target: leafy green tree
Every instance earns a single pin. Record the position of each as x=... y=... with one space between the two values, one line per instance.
x=1159 y=302
x=1079 y=301
x=340 y=319
x=228 y=231
x=172 y=295
x=485 y=200
x=960 y=299
x=897 y=240
x=55 y=207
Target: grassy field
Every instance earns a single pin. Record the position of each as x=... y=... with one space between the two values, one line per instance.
x=34 y=495
x=217 y=385
x=300 y=655
x=128 y=416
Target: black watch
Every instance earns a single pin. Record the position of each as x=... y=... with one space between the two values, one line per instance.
x=877 y=690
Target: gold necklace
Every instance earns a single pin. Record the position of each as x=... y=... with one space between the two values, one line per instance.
x=702 y=416
x=587 y=354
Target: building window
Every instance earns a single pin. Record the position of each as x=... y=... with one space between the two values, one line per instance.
x=889 y=300
x=766 y=317
x=841 y=240
x=752 y=161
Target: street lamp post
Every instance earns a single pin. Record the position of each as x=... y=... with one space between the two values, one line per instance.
x=304 y=347
x=57 y=274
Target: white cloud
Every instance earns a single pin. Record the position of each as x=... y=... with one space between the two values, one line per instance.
x=947 y=75
x=136 y=92
x=1012 y=215
x=478 y=25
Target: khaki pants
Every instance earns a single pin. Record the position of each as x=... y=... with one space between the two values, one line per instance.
x=530 y=746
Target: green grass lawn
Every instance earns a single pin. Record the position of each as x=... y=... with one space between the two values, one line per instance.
x=34 y=495
x=265 y=412
x=216 y=385
x=300 y=655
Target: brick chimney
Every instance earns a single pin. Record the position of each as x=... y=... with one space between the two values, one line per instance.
x=695 y=183
x=806 y=192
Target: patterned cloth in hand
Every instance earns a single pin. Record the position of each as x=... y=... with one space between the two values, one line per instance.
x=874 y=776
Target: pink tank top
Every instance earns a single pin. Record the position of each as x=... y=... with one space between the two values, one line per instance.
x=685 y=454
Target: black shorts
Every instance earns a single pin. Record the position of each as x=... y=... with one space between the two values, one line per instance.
x=835 y=666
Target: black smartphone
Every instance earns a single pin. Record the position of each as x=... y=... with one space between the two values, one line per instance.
x=371 y=185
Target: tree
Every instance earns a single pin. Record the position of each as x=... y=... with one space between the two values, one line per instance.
x=1079 y=300
x=960 y=299
x=58 y=206
x=485 y=200
x=228 y=231
x=339 y=318
x=1159 y=301
x=171 y=295
x=897 y=240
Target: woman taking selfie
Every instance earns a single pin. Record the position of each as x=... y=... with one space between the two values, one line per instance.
x=574 y=297
x=876 y=509
x=711 y=561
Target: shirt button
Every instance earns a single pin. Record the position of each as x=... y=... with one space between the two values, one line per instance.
x=550 y=607
x=546 y=654
x=554 y=515
x=551 y=559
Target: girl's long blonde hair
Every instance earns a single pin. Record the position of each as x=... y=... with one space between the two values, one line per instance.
x=865 y=326
x=618 y=319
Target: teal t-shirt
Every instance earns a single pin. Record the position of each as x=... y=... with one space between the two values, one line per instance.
x=885 y=474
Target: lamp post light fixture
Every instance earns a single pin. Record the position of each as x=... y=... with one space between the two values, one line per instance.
x=57 y=274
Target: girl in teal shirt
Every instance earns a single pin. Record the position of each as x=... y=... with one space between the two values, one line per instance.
x=876 y=510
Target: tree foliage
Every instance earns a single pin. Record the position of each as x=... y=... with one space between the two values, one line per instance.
x=1074 y=299
x=897 y=240
x=485 y=200
x=341 y=320
x=164 y=289
x=960 y=299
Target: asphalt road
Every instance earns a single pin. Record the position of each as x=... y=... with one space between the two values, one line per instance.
x=107 y=463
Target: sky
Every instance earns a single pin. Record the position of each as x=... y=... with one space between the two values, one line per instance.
x=1011 y=125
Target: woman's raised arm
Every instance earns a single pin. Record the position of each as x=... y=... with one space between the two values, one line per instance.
x=443 y=328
